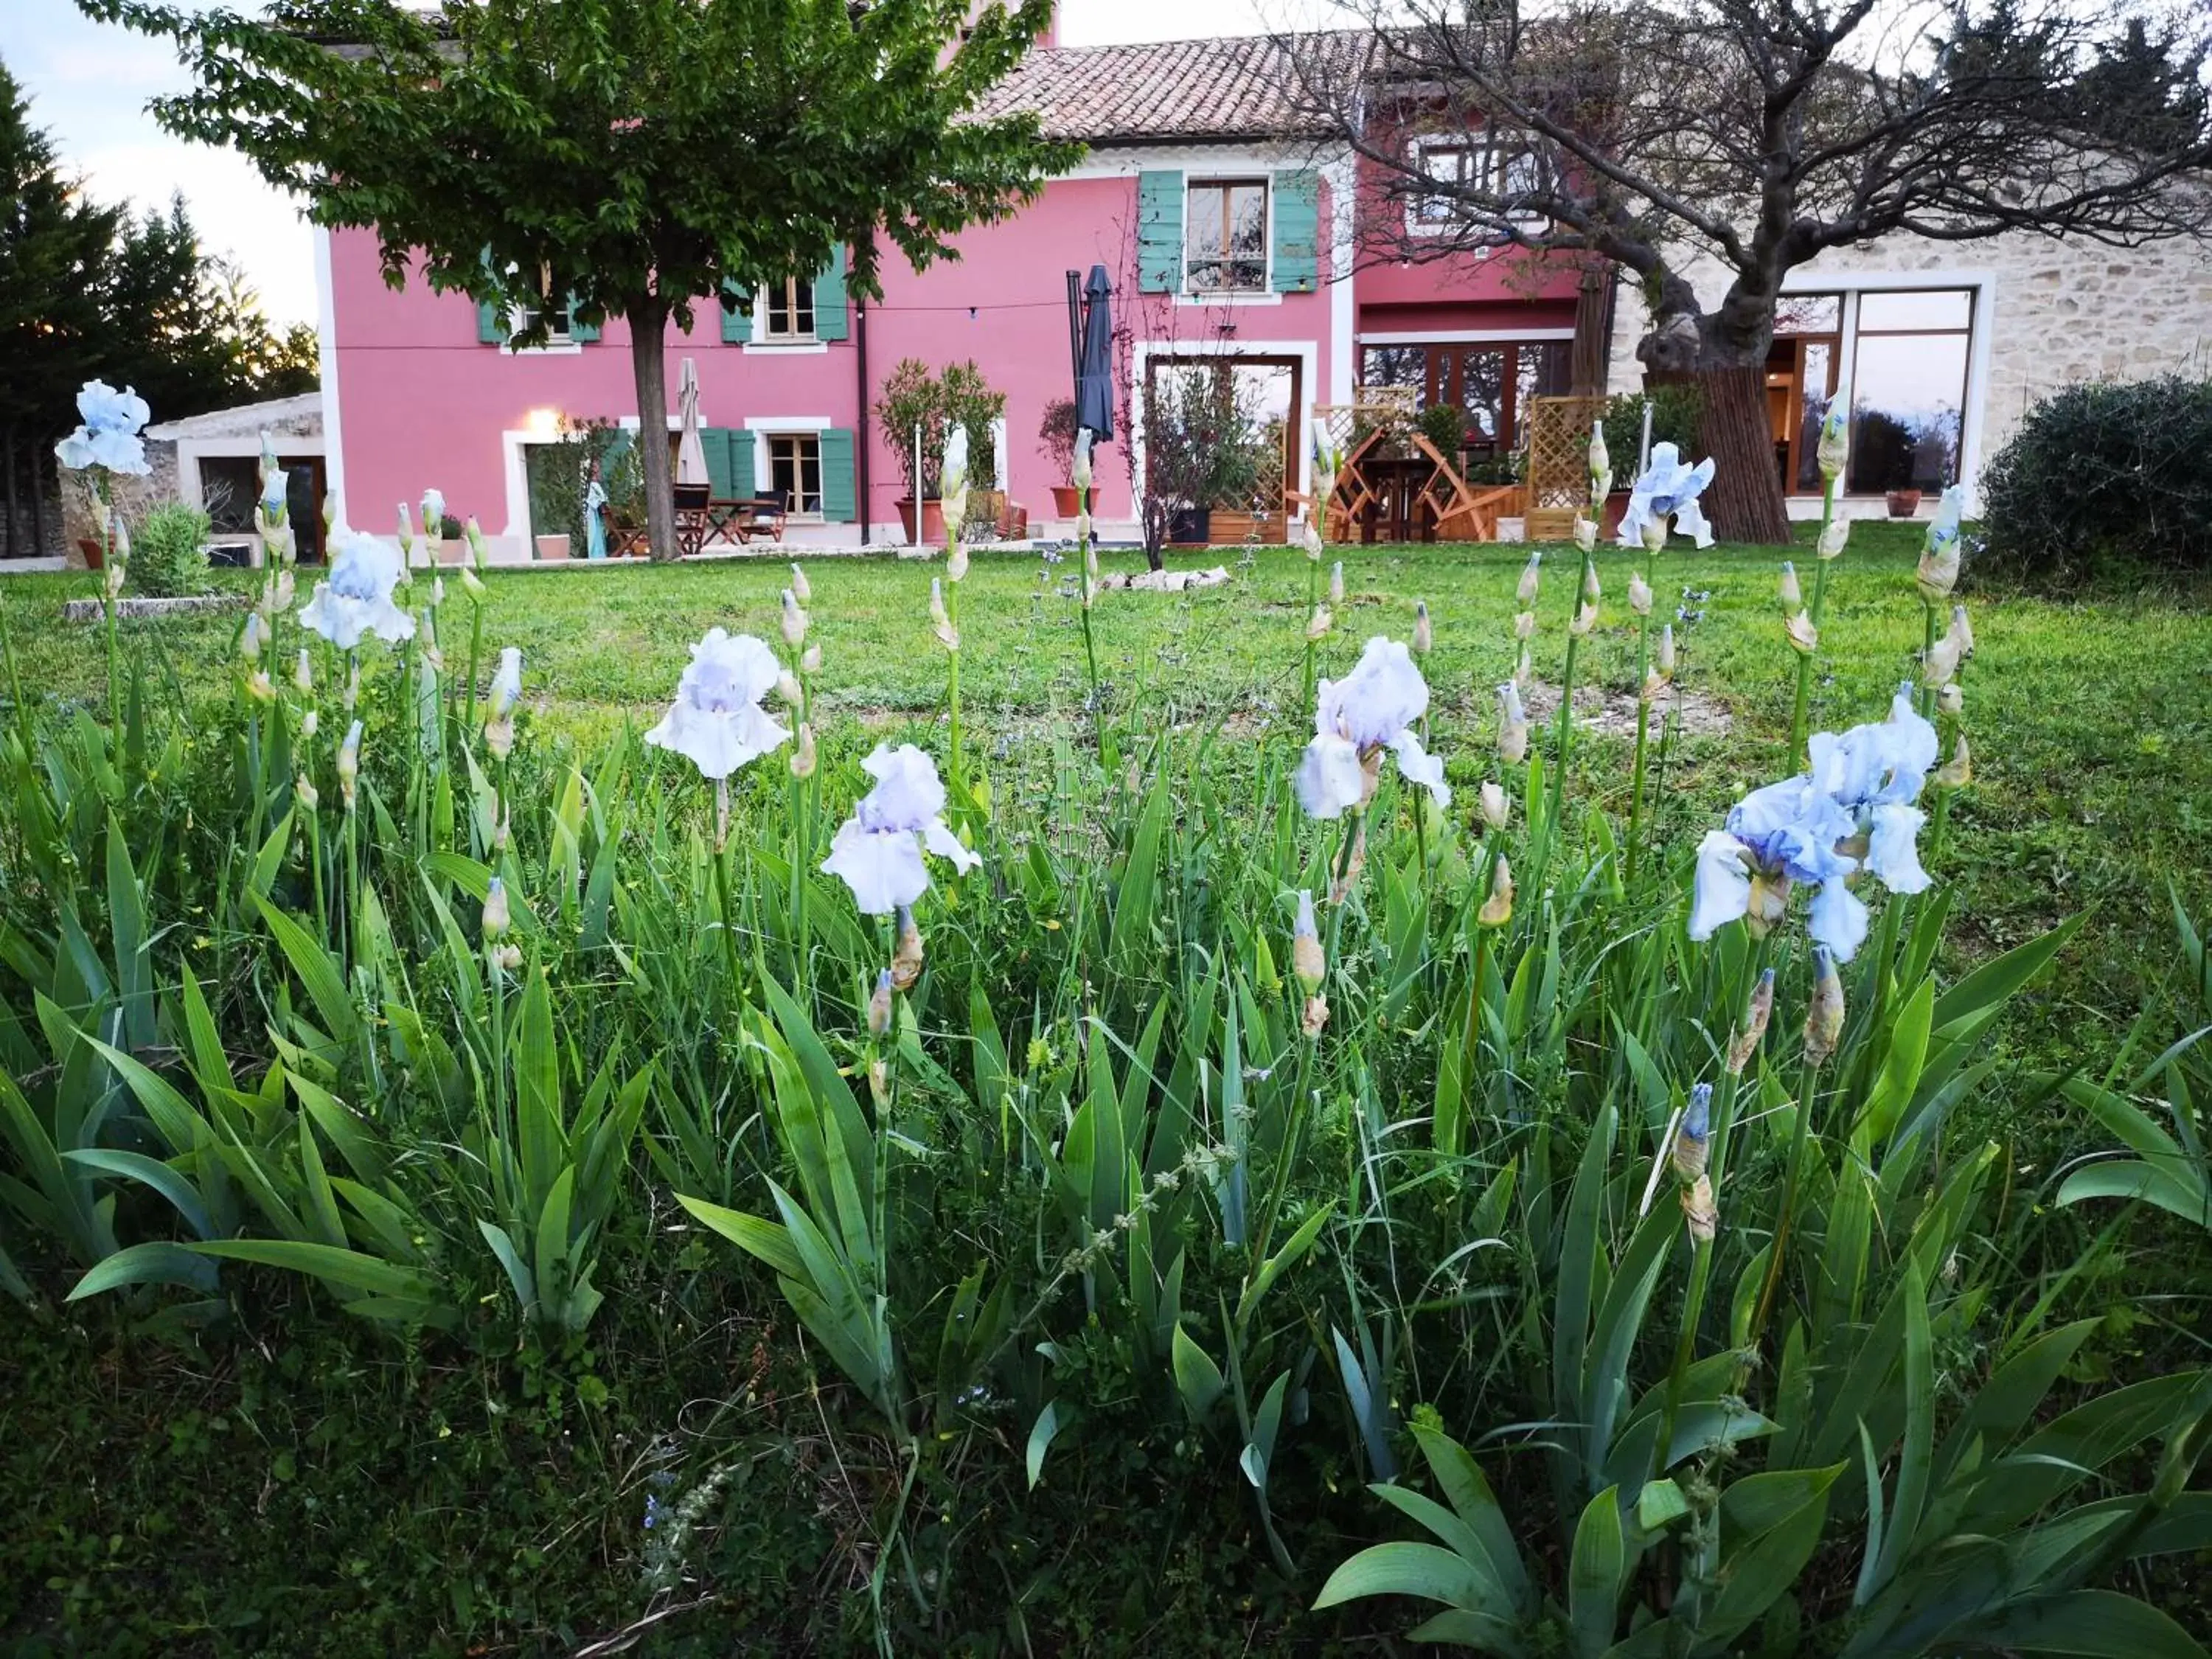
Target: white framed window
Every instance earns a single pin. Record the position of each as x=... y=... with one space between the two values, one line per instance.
x=557 y=327
x=785 y=310
x=795 y=469
x=1226 y=236
x=1497 y=165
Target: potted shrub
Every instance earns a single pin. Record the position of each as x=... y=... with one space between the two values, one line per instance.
x=912 y=401
x=971 y=406
x=1445 y=428
x=453 y=541
x=1200 y=452
x=1903 y=503
x=1056 y=443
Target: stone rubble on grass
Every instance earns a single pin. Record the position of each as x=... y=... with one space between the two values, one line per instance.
x=1166 y=581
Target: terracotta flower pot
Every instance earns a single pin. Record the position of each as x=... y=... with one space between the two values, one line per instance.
x=455 y=551
x=1903 y=503
x=1066 y=500
x=933 y=518
x=552 y=548
x=95 y=559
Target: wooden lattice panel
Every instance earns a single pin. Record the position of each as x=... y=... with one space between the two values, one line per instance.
x=1558 y=477
x=1390 y=409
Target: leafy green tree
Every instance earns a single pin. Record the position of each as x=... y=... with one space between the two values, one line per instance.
x=628 y=158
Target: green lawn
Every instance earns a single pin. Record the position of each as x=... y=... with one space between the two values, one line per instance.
x=2091 y=723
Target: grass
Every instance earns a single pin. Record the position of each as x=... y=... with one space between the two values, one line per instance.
x=2091 y=721
x=298 y=1489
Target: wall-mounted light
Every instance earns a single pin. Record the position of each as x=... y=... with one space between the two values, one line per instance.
x=544 y=424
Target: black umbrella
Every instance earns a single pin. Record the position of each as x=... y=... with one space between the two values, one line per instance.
x=1094 y=371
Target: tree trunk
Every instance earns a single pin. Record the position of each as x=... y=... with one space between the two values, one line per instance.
x=8 y=469
x=38 y=501
x=648 y=332
x=1744 y=500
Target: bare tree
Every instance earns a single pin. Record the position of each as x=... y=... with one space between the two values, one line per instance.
x=1674 y=135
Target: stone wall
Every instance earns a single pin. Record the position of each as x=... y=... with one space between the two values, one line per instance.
x=2060 y=313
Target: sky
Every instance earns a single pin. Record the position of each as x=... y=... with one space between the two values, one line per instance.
x=88 y=84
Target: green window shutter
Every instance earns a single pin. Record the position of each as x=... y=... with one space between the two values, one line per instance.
x=839 y=505
x=1159 y=231
x=741 y=466
x=1298 y=232
x=829 y=316
x=491 y=323
x=737 y=326
x=720 y=476
x=582 y=333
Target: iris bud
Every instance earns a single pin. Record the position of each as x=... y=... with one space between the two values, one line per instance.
x=879 y=1005
x=1498 y=909
x=1793 y=598
x=1495 y=808
x=1804 y=638
x=799 y=588
x=1824 y=1018
x=1307 y=965
x=496 y=917
x=1336 y=583
x=1639 y=594
x=1526 y=592
x=1424 y=637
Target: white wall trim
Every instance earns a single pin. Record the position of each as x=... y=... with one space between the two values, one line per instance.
x=517 y=477
x=1462 y=335
x=1343 y=181
x=327 y=358
x=1306 y=351
x=767 y=425
x=787 y=347
x=1210 y=159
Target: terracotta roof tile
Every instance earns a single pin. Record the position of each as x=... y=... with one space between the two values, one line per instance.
x=1169 y=89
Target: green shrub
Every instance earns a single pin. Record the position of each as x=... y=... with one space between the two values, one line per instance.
x=1677 y=410
x=1445 y=427
x=2104 y=473
x=169 y=555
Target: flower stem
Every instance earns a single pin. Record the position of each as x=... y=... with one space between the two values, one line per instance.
x=1643 y=724
x=1801 y=1132
x=1801 y=702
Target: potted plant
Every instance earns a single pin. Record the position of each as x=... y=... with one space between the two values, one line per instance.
x=1445 y=428
x=1056 y=443
x=912 y=401
x=1903 y=503
x=453 y=541
x=973 y=407
x=1200 y=452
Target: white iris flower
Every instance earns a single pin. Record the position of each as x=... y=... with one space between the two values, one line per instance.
x=355 y=600
x=877 y=851
x=1850 y=814
x=1372 y=709
x=717 y=722
x=108 y=435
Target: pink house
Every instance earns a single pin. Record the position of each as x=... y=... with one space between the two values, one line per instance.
x=1229 y=232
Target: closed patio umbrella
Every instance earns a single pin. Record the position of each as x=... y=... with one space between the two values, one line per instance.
x=691 y=452
x=1094 y=379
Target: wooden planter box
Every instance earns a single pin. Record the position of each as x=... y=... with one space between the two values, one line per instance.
x=1237 y=529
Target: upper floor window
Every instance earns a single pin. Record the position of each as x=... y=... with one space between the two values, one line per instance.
x=1226 y=236
x=787 y=310
x=1498 y=167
